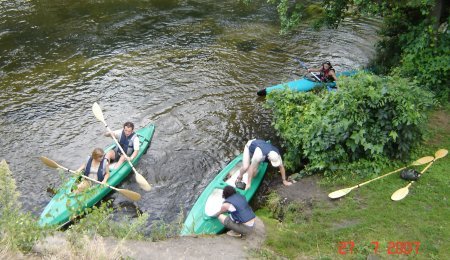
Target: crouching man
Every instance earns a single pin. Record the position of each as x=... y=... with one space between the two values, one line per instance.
x=241 y=220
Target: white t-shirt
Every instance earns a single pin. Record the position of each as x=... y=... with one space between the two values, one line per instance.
x=118 y=134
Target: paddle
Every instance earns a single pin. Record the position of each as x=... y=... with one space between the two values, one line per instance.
x=303 y=65
x=139 y=178
x=134 y=196
x=343 y=192
x=402 y=192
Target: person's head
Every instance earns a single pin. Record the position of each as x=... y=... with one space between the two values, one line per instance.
x=128 y=128
x=228 y=191
x=98 y=154
x=275 y=159
x=326 y=65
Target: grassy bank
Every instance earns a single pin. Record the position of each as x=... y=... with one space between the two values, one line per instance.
x=366 y=220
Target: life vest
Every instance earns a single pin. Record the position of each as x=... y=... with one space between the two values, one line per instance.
x=243 y=211
x=101 y=168
x=325 y=75
x=127 y=143
x=265 y=147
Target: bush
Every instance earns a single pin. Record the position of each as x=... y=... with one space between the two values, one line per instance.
x=426 y=59
x=356 y=129
x=18 y=231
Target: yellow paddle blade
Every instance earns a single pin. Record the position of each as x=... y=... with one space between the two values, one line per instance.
x=142 y=182
x=423 y=160
x=339 y=193
x=400 y=193
x=134 y=196
x=49 y=163
x=441 y=153
x=96 y=109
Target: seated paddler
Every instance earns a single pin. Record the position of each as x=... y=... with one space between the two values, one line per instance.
x=128 y=140
x=96 y=167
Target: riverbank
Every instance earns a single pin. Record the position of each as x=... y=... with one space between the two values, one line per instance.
x=303 y=223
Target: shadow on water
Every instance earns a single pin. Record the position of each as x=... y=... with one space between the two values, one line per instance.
x=190 y=67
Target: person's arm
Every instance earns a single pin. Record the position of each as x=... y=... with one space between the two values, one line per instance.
x=116 y=134
x=283 y=175
x=136 y=147
x=106 y=177
x=223 y=209
x=333 y=75
x=81 y=168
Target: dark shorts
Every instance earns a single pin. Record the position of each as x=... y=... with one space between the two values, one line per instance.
x=237 y=227
x=117 y=154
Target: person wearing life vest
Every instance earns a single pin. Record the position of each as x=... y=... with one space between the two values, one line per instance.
x=326 y=72
x=128 y=140
x=241 y=219
x=255 y=152
x=96 y=167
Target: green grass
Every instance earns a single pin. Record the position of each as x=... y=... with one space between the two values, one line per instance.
x=367 y=214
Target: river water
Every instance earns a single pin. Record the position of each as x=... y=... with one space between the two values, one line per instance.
x=190 y=67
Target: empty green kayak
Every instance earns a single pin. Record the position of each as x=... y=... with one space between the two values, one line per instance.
x=199 y=220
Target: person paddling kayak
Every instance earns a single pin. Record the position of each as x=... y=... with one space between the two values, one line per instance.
x=96 y=167
x=326 y=73
x=129 y=142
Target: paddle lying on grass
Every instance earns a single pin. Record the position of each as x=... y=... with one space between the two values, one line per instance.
x=139 y=178
x=303 y=65
x=134 y=196
x=343 y=192
x=402 y=192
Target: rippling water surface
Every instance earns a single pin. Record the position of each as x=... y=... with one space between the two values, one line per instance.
x=190 y=67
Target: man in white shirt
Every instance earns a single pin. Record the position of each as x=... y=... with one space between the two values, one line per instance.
x=128 y=140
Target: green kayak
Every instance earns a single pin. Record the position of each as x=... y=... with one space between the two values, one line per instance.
x=65 y=204
x=199 y=220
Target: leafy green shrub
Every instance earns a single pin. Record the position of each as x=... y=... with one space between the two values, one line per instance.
x=369 y=120
x=18 y=230
x=426 y=59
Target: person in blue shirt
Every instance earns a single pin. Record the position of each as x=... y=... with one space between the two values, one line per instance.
x=241 y=218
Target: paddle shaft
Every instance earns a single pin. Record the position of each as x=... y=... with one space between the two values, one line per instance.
x=379 y=177
x=423 y=171
x=88 y=178
x=303 y=65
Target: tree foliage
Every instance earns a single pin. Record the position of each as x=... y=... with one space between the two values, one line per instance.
x=370 y=119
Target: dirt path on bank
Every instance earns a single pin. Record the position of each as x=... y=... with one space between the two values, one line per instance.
x=189 y=247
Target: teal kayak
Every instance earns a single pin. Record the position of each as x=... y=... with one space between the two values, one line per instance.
x=65 y=204
x=303 y=84
x=199 y=220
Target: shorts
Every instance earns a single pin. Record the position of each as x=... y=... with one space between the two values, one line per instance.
x=117 y=154
x=237 y=227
